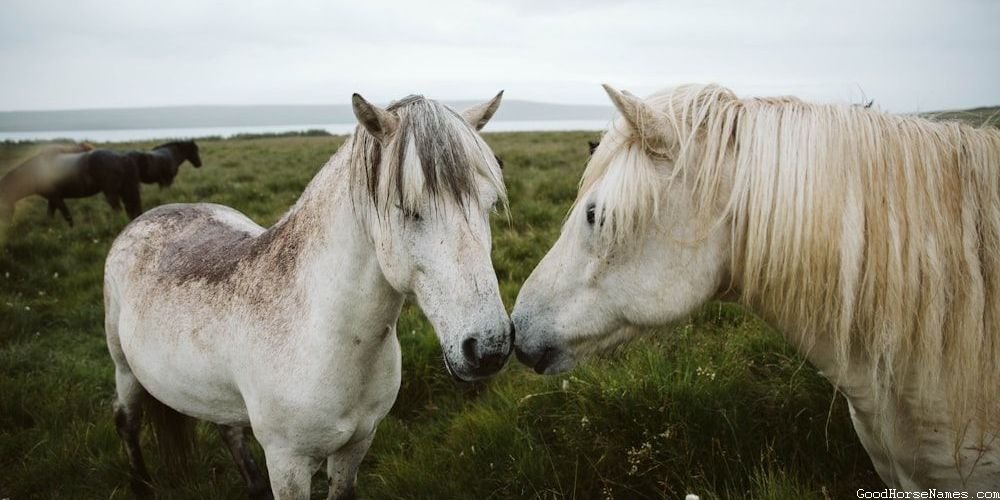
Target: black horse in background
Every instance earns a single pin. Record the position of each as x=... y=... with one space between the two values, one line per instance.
x=59 y=172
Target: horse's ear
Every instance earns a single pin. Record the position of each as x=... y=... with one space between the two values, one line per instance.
x=377 y=121
x=480 y=114
x=649 y=123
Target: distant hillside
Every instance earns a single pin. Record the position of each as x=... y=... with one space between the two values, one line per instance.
x=235 y=116
x=989 y=115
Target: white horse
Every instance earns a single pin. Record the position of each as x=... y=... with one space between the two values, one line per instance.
x=872 y=241
x=292 y=330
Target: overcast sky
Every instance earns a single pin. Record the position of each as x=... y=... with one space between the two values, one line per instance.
x=913 y=55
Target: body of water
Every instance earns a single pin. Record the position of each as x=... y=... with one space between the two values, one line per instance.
x=122 y=135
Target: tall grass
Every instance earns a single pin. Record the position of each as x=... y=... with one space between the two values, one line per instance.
x=719 y=406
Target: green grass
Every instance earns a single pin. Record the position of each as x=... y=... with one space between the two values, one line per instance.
x=718 y=406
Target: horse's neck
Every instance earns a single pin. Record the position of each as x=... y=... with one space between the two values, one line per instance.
x=850 y=378
x=337 y=266
x=172 y=153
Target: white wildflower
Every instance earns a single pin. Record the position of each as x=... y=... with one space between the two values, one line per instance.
x=705 y=372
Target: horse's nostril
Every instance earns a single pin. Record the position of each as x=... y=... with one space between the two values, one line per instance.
x=469 y=351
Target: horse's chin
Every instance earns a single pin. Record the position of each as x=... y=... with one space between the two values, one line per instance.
x=562 y=364
x=556 y=360
x=456 y=375
x=549 y=361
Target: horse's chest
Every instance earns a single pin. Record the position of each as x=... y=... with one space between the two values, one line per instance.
x=326 y=404
x=918 y=449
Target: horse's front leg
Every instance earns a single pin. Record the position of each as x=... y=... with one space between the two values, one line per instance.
x=342 y=469
x=290 y=472
x=235 y=439
x=130 y=193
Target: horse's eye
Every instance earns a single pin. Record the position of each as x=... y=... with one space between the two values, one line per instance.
x=590 y=214
x=409 y=214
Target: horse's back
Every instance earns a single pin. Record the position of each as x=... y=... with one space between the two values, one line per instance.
x=163 y=239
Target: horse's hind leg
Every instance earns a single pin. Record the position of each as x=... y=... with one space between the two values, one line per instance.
x=235 y=439
x=63 y=209
x=128 y=401
x=128 y=421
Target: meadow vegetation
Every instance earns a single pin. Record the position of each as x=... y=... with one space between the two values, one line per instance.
x=720 y=405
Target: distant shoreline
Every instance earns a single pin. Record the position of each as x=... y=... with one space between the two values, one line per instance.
x=145 y=134
x=179 y=117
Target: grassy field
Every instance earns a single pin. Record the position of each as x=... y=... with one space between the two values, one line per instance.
x=719 y=406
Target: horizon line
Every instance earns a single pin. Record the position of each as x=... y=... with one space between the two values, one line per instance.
x=275 y=105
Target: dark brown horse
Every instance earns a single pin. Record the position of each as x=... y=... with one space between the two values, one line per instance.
x=60 y=172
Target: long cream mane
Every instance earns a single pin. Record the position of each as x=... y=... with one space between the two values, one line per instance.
x=880 y=233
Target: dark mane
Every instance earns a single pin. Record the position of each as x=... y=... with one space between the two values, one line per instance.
x=185 y=150
x=448 y=148
x=179 y=144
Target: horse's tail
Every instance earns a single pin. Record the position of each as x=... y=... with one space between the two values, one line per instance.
x=174 y=434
